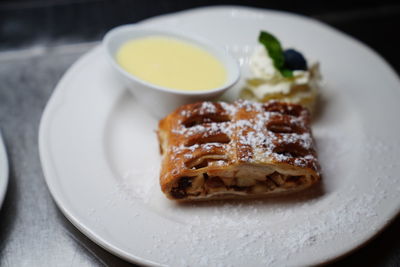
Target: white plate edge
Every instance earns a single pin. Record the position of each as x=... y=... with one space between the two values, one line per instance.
x=4 y=171
x=48 y=170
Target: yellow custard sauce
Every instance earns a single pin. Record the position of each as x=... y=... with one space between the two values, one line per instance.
x=172 y=63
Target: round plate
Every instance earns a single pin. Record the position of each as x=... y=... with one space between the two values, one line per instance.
x=3 y=171
x=100 y=156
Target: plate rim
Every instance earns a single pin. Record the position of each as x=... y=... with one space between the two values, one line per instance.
x=45 y=161
x=47 y=171
x=4 y=171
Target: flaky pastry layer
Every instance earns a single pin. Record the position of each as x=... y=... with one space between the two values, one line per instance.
x=240 y=150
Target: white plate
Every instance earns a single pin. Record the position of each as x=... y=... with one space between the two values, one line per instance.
x=100 y=157
x=3 y=171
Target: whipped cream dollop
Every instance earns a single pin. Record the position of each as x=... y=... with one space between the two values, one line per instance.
x=267 y=83
x=261 y=65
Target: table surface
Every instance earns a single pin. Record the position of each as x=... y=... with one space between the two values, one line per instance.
x=33 y=232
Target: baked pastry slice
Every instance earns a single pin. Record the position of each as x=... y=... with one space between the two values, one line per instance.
x=245 y=149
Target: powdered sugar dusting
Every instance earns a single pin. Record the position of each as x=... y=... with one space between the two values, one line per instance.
x=247 y=127
x=209 y=239
x=207 y=107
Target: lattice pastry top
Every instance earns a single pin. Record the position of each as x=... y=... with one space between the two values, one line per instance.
x=245 y=149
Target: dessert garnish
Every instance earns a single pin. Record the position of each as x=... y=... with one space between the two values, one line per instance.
x=281 y=74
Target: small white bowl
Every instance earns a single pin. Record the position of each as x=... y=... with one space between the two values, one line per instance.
x=157 y=99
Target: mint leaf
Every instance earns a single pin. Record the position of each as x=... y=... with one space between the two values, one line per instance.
x=275 y=51
x=273 y=47
x=286 y=73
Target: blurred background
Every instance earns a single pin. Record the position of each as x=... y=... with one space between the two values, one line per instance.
x=30 y=22
x=33 y=232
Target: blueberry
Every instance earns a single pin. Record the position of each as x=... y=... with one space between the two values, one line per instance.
x=294 y=60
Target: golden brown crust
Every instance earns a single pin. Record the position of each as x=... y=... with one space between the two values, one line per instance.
x=245 y=149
